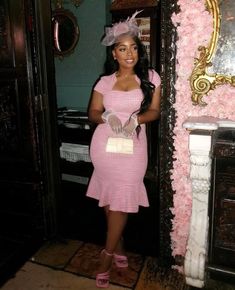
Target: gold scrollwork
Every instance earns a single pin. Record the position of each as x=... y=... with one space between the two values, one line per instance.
x=201 y=81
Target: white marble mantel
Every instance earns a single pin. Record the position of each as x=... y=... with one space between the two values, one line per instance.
x=200 y=143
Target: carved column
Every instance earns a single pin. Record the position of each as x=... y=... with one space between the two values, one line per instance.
x=200 y=174
x=200 y=140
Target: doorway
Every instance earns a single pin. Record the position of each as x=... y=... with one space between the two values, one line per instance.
x=76 y=74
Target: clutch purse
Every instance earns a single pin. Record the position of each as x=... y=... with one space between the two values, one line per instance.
x=119 y=145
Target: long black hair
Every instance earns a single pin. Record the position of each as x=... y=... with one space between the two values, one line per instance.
x=141 y=69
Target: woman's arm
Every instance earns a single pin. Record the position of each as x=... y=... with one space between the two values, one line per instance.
x=96 y=108
x=153 y=111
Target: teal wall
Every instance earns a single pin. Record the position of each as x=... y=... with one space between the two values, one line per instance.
x=76 y=73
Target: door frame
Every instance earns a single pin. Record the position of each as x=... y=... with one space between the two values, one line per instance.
x=167 y=124
x=46 y=107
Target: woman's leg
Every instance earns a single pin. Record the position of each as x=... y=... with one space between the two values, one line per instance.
x=119 y=248
x=116 y=222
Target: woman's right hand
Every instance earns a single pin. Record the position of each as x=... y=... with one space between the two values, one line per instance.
x=113 y=121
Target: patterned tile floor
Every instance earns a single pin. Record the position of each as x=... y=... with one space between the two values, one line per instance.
x=71 y=265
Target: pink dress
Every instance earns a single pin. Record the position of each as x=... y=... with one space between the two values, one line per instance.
x=117 y=179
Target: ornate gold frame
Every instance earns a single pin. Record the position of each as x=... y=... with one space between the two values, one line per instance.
x=201 y=81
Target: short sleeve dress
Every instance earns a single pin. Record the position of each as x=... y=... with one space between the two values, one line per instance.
x=117 y=179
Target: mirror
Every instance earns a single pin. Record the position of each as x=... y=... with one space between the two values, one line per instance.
x=65 y=32
x=215 y=65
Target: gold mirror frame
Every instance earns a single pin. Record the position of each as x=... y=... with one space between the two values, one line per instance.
x=62 y=15
x=201 y=81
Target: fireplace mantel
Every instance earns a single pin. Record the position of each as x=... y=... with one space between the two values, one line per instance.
x=201 y=130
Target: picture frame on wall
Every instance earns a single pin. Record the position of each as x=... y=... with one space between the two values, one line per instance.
x=130 y=4
x=144 y=25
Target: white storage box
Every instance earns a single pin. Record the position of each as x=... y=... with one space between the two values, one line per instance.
x=75 y=152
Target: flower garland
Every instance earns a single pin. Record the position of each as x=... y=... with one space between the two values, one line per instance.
x=194 y=26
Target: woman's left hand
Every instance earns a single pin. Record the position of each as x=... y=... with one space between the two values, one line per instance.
x=130 y=126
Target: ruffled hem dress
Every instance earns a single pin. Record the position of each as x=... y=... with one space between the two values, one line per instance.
x=118 y=178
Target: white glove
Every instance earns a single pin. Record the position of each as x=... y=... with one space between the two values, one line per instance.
x=130 y=126
x=113 y=121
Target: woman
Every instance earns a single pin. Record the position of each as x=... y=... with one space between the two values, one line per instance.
x=125 y=98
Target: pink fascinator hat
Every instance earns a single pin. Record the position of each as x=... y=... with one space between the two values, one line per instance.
x=129 y=26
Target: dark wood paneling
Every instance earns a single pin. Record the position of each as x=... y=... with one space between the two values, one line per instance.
x=223 y=214
x=29 y=158
x=221 y=257
x=167 y=123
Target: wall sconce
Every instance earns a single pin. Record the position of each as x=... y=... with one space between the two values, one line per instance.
x=59 y=3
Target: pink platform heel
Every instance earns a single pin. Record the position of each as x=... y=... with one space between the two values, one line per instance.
x=102 y=279
x=120 y=261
